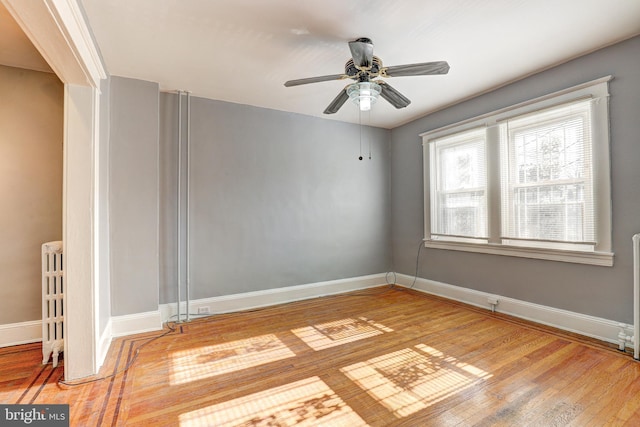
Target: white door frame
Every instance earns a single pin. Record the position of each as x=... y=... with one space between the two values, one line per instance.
x=57 y=28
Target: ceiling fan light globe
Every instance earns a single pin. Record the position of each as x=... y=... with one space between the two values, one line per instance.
x=365 y=103
x=364 y=94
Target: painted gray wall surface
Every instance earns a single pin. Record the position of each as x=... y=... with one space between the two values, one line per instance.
x=599 y=291
x=31 y=133
x=277 y=199
x=104 y=292
x=133 y=196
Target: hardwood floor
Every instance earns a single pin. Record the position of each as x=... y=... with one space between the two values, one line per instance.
x=381 y=357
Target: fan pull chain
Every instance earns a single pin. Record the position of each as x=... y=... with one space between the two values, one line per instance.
x=360 y=120
x=369 y=121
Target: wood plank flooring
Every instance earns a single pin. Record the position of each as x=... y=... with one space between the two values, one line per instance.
x=381 y=357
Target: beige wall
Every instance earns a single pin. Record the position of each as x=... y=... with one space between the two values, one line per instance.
x=31 y=135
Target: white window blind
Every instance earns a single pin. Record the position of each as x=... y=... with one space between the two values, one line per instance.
x=459 y=181
x=546 y=178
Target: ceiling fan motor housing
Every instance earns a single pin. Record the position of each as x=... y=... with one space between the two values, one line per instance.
x=352 y=71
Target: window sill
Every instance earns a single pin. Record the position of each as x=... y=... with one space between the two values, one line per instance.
x=593 y=258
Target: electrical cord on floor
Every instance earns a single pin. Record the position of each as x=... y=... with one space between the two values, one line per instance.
x=127 y=366
x=170 y=325
x=172 y=329
x=395 y=278
x=415 y=276
x=196 y=315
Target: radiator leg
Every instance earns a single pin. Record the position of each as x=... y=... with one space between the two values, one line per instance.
x=45 y=356
x=57 y=347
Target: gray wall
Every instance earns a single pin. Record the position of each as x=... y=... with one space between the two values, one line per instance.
x=600 y=291
x=31 y=132
x=277 y=199
x=104 y=292
x=133 y=196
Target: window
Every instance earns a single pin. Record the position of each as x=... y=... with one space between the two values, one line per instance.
x=531 y=180
x=459 y=209
x=546 y=178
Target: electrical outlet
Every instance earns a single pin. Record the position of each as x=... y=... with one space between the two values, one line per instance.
x=203 y=310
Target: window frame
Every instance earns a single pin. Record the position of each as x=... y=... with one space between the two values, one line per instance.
x=602 y=253
x=460 y=140
x=579 y=110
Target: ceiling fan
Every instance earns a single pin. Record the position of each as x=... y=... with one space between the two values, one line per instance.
x=363 y=67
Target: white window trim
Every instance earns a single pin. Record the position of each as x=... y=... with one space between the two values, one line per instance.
x=483 y=188
x=602 y=255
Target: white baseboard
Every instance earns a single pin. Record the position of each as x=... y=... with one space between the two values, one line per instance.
x=251 y=300
x=103 y=345
x=136 y=323
x=20 y=333
x=590 y=326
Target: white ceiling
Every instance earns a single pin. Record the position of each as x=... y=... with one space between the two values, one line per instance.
x=243 y=51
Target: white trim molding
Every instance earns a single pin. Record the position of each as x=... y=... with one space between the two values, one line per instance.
x=590 y=326
x=103 y=344
x=80 y=343
x=250 y=300
x=58 y=30
x=492 y=233
x=20 y=333
x=136 y=323
x=604 y=259
x=27 y=332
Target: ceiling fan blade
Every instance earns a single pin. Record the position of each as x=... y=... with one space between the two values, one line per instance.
x=337 y=102
x=422 y=69
x=394 y=97
x=315 y=79
x=362 y=52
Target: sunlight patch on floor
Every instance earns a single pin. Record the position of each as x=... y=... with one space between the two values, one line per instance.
x=309 y=402
x=208 y=361
x=331 y=334
x=412 y=379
